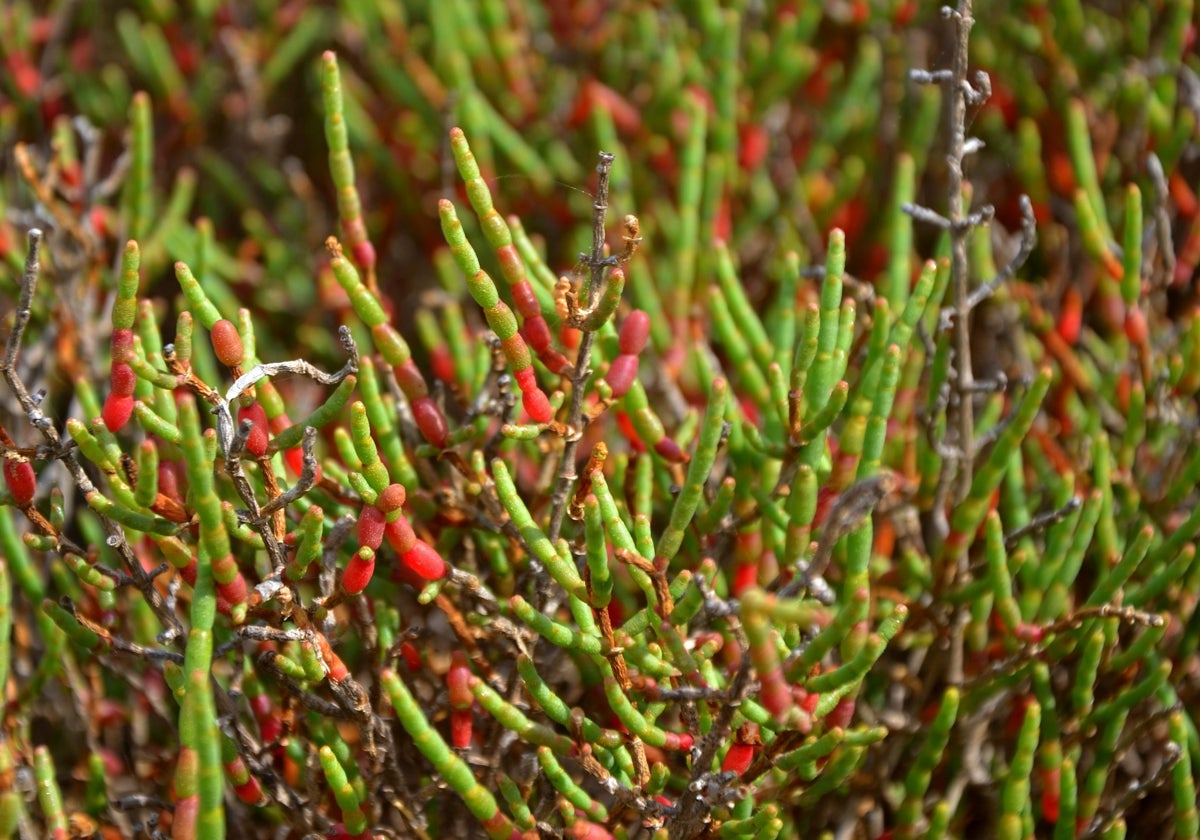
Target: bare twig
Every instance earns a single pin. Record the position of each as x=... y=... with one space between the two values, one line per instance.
x=582 y=369
x=308 y=476
x=233 y=468
x=1028 y=240
x=957 y=459
x=33 y=412
x=1041 y=522
x=1162 y=223
x=225 y=427
x=959 y=269
x=848 y=512
x=1135 y=791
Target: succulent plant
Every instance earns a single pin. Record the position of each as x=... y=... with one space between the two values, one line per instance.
x=812 y=452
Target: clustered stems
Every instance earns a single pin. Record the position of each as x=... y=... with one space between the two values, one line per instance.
x=957 y=487
x=393 y=347
x=341 y=167
x=796 y=513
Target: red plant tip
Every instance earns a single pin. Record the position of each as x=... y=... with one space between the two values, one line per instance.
x=1136 y=329
x=679 y=741
x=235 y=591
x=187 y=813
x=462 y=728
x=621 y=374
x=359 y=571
x=270 y=730
x=753 y=145
x=806 y=700
x=260 y=706
x=400 y=535
x=294 y=458
x=532 y=397
x=122 y=344
x=526 y=379
x=458 y=682
x=408 y=375
x=1029 y=632
x=670 y=450
x=337 y=668
x=424 y=561
x=634 y=332
x=227 y=343
x=411 y=656
x=364 y=254
x=430 y=421
x=775 y=696
x=842 y=713
x=569 y=336
x=251 y=792
x=21 y=480
x=117 y=411
x=371 y=524
x=391 y=499
x=524 y=299
x=742 y=751
x=24 y=74
x=1051 y=786
x=537 y=334
x=442 y=363
x=188 y=573
x=745 y=575
x=587 y=830
x=738 y=758
x=625 y=424
x=256 y=443
x=123 y=379
x=537 y=406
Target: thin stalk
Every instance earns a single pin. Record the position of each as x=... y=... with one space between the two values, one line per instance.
x=582 y=369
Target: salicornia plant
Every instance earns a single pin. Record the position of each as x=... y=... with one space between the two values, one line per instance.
x=817 y=459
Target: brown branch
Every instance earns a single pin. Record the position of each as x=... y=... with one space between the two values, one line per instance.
x=582 y=369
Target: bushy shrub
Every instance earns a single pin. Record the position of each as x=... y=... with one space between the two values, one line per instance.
x=818 y=459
